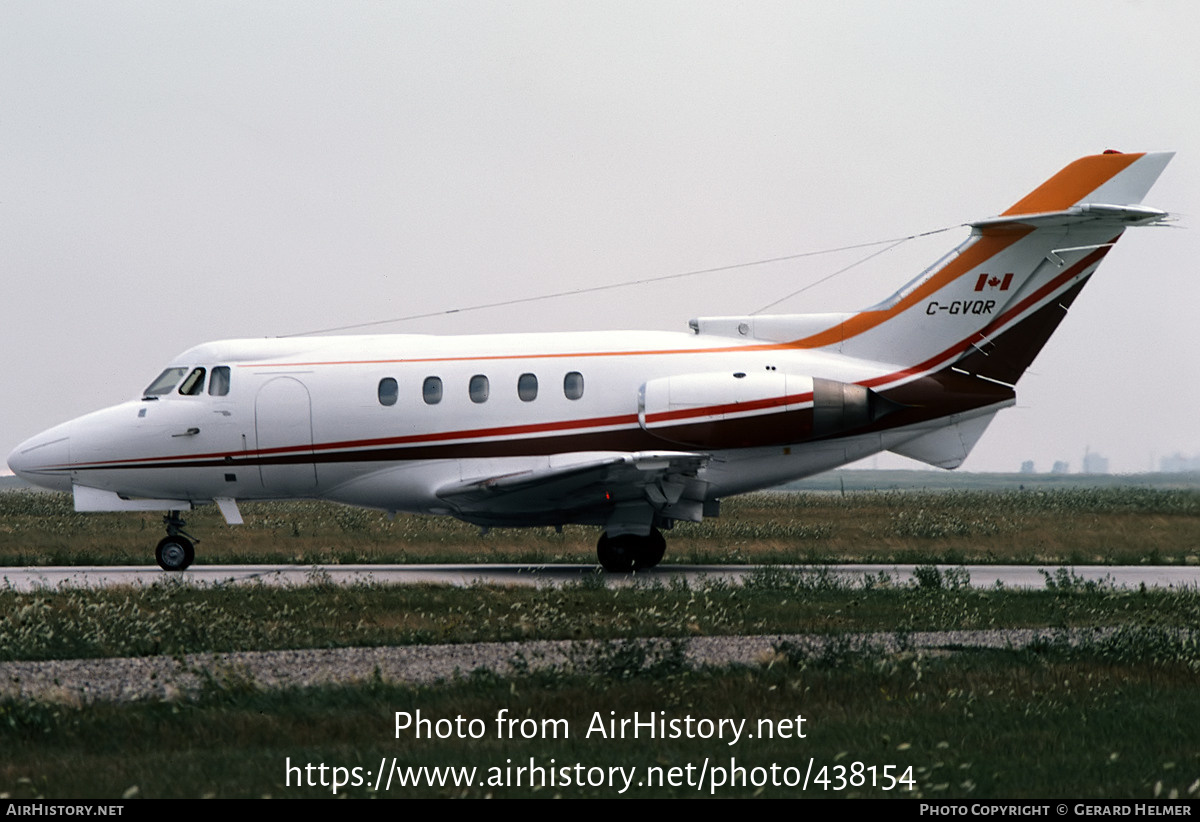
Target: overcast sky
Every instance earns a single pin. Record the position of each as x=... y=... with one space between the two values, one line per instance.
x=172 y=173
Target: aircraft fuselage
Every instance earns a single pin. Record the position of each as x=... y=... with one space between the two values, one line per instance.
x=352 y=419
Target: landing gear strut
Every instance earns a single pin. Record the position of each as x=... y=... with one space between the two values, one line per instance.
x=631 y=552
x=175 y=552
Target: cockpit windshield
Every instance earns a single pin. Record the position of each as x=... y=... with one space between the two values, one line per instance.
x=218 y=384
x=194 y=384
x=166 y=381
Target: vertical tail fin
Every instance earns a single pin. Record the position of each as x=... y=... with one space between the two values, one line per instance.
x=988 y=306
x=992 y=304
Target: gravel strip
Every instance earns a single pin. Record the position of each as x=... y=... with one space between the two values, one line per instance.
x=79 y=681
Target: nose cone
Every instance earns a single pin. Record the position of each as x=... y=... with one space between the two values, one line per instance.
x=44 y=460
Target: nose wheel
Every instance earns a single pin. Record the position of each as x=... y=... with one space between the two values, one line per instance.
x=631 y=552
x=175 y=552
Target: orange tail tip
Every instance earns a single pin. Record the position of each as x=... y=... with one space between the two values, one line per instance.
x=1100 y=178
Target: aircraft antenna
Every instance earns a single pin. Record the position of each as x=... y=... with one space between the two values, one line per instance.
x=888 y=245
x=841 y=270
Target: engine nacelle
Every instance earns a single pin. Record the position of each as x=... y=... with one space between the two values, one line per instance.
x=739 y=410
x=841 y=406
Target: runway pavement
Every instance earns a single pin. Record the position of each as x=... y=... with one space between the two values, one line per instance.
x=981 y=576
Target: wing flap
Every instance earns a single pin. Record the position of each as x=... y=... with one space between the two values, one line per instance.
x=582 y=490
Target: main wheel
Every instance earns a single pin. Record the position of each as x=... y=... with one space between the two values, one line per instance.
x=617 y=554
x=630 y=552
x=174 y=553
x=650 y=550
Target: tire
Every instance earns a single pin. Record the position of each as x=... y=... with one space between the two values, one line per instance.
x=630 y=552
x=617 y=554
x=174 y=554
x=650 y=550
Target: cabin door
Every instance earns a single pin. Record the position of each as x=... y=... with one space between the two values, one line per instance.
x=283 y=427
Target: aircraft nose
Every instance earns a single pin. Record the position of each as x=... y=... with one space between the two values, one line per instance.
x=45 y=459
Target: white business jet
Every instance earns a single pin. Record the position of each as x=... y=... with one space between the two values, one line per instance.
x=627 y=431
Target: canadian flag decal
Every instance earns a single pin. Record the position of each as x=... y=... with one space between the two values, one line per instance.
x=993 y=282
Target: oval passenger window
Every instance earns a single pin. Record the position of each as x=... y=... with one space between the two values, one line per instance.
x=527 y=387
x=573 y=385
x=389 y=391
x=431 y=390
x=479 y=388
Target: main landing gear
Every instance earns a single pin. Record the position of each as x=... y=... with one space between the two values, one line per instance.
x=631 y=552
x=175 y=552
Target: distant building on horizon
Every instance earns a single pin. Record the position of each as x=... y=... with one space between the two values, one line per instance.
x=1179 y=464
x=1093 y=463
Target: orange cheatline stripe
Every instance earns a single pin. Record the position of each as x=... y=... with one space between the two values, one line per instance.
x=1073 y=183
x=529 y=356
x=979 y=252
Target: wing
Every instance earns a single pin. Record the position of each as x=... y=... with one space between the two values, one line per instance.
x=585 y=488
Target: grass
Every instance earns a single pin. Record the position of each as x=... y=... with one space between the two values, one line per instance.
x=1101 y=721
x=1112 y=718
x=1058 y=526
x=172 y=618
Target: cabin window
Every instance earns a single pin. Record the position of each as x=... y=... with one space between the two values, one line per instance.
x=479 y=388
x=165 y=382
x=573 y=385
x=527 y=387
x=431 y=390
x=389 y=391
x=218 y=382
x=193 y=383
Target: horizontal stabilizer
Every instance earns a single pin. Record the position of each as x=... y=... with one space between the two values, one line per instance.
x=1118 y=216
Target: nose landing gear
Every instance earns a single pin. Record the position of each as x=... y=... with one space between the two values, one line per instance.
x=175 y=552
